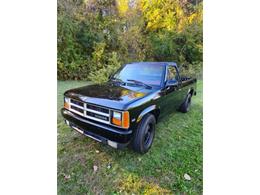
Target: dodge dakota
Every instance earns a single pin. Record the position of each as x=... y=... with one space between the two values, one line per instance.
x=124 y=110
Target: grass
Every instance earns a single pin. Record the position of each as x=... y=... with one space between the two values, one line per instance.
x=177 y=150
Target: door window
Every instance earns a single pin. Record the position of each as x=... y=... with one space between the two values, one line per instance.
x=172 y=74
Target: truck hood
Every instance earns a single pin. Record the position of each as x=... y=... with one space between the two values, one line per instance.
x=112 y=95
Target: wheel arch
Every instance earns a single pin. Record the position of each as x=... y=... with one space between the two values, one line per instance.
x=153 y=109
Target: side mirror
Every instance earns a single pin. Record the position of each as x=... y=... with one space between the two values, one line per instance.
x=171 y=83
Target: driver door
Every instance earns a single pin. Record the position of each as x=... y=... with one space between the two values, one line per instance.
x=172 y=97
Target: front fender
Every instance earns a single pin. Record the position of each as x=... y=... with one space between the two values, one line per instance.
x=145 y=111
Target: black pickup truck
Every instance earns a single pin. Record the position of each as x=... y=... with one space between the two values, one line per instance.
x=124 y=110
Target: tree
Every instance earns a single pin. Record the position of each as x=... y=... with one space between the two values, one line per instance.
x=95 y=34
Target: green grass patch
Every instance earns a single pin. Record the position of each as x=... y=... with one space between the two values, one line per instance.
x=177 y=150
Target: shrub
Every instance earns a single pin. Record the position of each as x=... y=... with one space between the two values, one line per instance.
x=102 y=74
x=95 y=36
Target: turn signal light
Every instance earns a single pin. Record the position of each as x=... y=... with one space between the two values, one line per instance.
x=125 y=123
x=116 y=121
x=66 y=105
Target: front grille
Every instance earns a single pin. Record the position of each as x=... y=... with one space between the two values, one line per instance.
x=97 y=108
x=81 y=110
x=77 y=102
x=90 y=111
x=98 y=116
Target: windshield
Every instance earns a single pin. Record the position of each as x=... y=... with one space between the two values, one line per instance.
x=150 y=74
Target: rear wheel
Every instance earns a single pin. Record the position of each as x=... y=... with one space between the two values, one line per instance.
x=185 y=107
x=144 y=134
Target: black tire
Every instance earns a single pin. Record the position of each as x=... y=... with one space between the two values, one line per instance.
x=185 y=107
x=144 y=134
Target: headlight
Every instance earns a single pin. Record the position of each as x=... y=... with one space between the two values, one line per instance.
x=116 y=118
x=66 y=102
x=117 y=115
x=121 y=119
x=66 y=99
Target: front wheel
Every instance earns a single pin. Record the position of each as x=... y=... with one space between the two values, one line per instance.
x=144 y=134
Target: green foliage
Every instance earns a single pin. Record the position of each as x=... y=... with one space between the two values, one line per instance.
x=162 y=14
x=98 y=56
x=101 y=75
x=185 y=48
x=91 y=32
x=132 y=45
x=71 y=59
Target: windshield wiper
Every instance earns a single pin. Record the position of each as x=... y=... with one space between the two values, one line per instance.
x=140 y=82
x=118 y=80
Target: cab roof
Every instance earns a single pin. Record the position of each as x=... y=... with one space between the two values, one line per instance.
x=154 y=63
